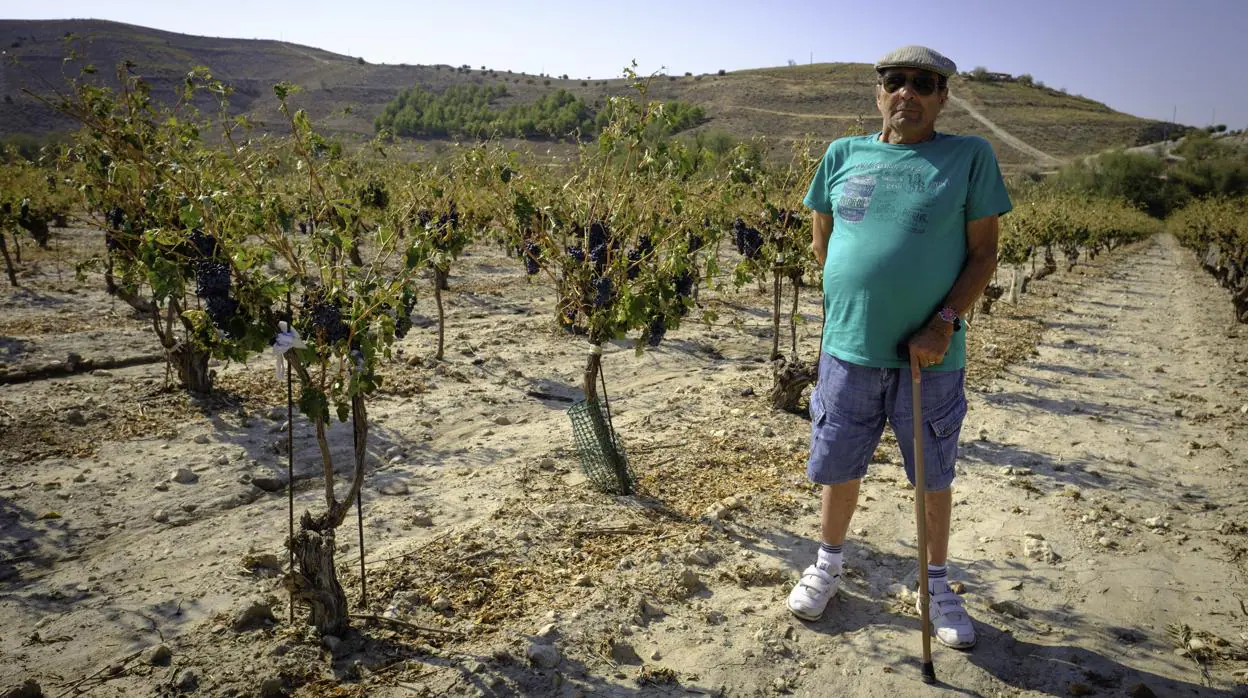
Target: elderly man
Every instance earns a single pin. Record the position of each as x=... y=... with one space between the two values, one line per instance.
x=906 y=230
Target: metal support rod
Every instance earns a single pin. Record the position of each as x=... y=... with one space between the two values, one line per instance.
x=290 y=467
x=359 y=516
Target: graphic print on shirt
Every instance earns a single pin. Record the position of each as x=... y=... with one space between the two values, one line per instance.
x=893 y=193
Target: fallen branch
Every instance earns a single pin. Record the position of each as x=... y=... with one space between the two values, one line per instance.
x=408 y=626
x=73 y=687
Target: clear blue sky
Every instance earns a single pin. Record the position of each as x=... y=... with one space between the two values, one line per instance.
x=1143 y=57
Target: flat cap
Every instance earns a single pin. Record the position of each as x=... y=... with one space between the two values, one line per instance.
x=920 y=57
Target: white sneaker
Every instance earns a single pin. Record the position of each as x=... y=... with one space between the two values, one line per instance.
x=950 y=622
x=811 y=594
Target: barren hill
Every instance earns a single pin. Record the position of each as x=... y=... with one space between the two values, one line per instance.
x=1029 y=126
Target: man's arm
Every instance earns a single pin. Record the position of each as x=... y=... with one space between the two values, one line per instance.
x=981 y=263
x=821 y=232
x=932 y=342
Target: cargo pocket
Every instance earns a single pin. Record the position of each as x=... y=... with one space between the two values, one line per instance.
x=946 y=427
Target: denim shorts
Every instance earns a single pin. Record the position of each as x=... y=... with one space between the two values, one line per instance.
x=848 y=407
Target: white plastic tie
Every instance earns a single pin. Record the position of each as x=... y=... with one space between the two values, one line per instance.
x=287 y=339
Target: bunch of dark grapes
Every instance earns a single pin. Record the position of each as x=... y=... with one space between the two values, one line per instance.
x=684 y=284
x=423 y=216
x=221 y=310
x=598 y=255
x=600 y=244
x=602 y=291
x=634 y=264
x=403 y=324
x=695 y=242
x=532 y=252
x=452 y=216
x=576 y=253
x=212 y=284
x=656 y=331
x=205 y=244
x=212 y=279
x=749 y=241
x=597 y=234
x=322 y=317
x=115 y=218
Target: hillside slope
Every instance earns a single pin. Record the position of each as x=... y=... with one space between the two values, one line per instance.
x=780 y=104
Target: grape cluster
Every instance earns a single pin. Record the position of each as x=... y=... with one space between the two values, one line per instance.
x=322 y=317
x=212 y=279
x=600 y=244
x=684 y=284
x=212 y=284
x=656 y=331
x=602 y=291
x=205 y=245
x=644 y=247
x=451 y=217
x=577 y=253
x=749 y=241
x=403 y=323
x=221 y=310
x=634 y=264
x=532 y=252
x=115 y=218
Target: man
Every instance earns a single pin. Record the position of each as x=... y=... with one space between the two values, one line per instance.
x=906 y=230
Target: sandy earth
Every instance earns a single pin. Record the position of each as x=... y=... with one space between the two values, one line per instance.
x=1099 y=527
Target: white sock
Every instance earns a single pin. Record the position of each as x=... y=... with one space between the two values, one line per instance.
x=830 y=558
x=937 y=579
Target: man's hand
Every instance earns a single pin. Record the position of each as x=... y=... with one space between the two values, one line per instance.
x=928 y=345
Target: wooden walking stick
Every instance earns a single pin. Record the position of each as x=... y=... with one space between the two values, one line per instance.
x=920 y=513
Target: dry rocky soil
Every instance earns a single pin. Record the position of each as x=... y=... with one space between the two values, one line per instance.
x=1100 y=522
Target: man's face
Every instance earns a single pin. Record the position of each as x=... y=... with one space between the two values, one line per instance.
x=906 y=109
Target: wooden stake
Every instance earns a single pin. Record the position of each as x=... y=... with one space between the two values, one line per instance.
x=920 y=513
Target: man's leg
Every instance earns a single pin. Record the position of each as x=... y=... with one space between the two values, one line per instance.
x=847 y=420
x=837 y=509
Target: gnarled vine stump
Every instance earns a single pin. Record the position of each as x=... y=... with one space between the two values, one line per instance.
x=314 y=579
x=790 y=377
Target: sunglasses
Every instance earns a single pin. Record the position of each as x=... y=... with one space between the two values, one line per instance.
x=923 y=84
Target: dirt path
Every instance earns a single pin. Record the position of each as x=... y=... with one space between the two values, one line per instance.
x=1100 y=506
x=1042 y=158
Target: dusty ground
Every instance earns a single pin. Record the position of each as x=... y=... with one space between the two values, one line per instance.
x=1099 y=530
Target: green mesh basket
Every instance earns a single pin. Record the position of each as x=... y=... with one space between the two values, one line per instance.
x=602 y=456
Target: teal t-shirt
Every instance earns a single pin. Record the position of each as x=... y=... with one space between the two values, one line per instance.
x=898 y=238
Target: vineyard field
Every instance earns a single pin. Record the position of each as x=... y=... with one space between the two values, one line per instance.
x=137 y=516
